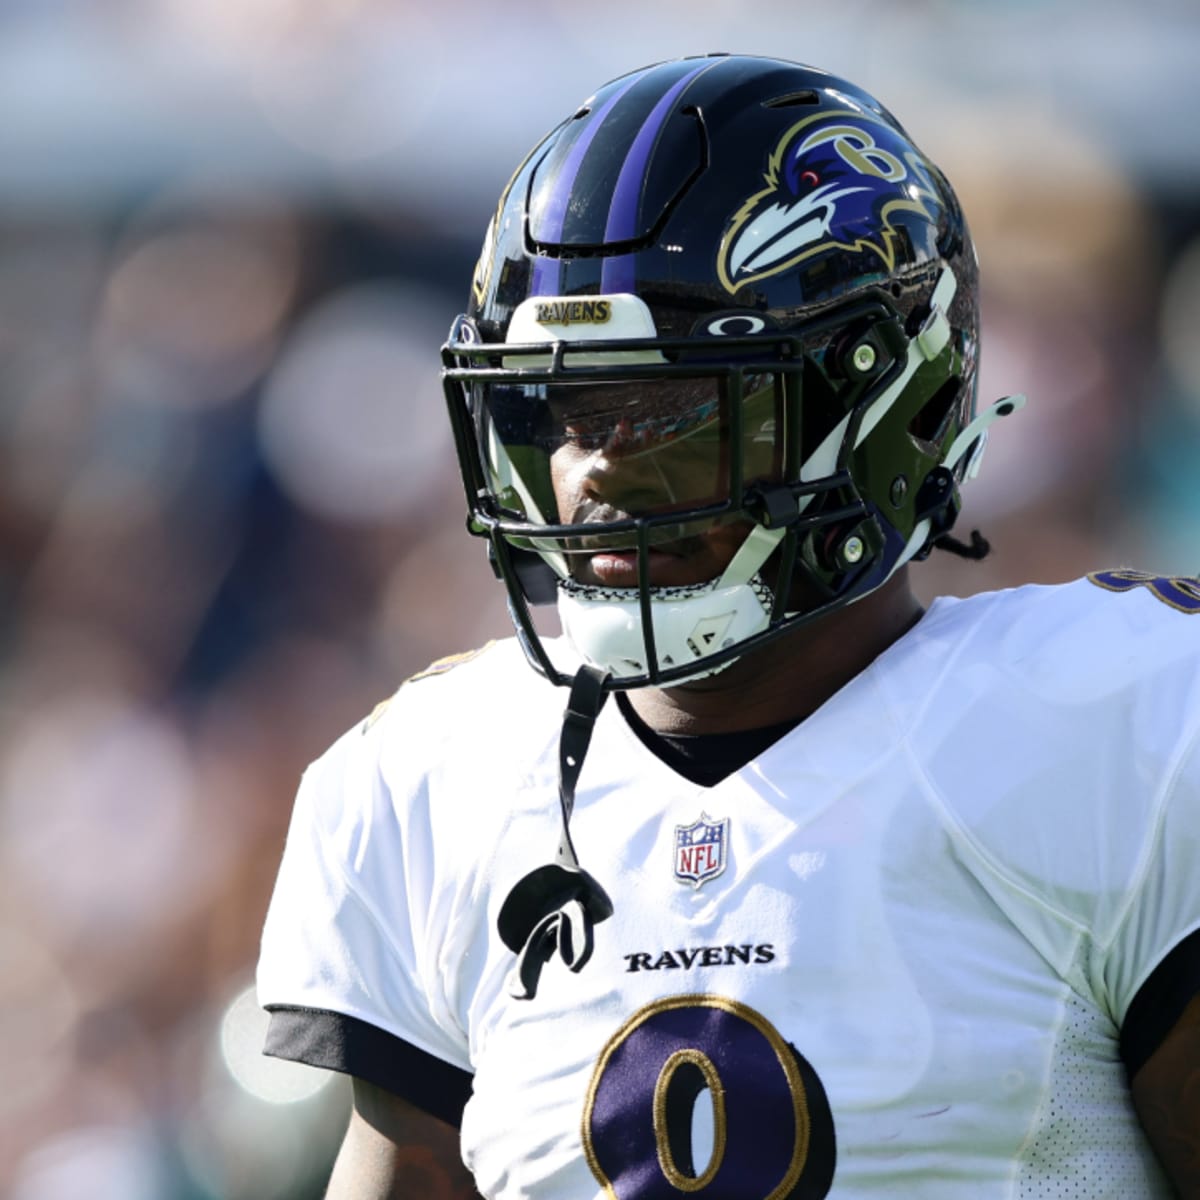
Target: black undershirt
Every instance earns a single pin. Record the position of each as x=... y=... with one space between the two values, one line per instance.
x=707 y=758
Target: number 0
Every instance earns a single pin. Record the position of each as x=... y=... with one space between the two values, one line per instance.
x=773 y=1133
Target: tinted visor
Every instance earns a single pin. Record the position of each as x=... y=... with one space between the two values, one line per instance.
x=595 y=453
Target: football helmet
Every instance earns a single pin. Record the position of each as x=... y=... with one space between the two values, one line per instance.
x=717 y=375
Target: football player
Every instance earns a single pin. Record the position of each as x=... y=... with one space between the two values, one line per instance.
x=835 y=896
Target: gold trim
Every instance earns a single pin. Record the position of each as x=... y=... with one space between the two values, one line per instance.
x=376 y=713
x=1130 y=579
x=442 y=665
x=783 y=1055
x=884 y=248
x=666 y=1161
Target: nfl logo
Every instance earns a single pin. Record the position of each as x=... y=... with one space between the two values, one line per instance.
x=701 y=850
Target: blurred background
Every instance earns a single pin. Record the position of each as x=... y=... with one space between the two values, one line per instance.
x=232 y=236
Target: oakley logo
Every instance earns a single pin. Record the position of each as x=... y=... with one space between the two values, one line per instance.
x=733 y=325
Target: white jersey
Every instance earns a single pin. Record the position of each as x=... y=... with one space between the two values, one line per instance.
x=889 y=957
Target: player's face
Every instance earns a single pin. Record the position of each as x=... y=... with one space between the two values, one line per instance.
x=650 y=449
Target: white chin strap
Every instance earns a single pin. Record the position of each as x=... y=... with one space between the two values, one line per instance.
x=690 y=623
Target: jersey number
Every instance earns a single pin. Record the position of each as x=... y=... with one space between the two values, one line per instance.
x=1179 y=591
x=772 y=1131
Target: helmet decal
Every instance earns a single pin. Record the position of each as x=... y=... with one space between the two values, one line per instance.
x=737 y=323
x=562 y=318
x=573 y=312
x=834 y=181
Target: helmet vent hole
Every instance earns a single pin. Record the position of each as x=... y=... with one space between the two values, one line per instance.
x=581 y=112
x=929 y=425
x=793 y=100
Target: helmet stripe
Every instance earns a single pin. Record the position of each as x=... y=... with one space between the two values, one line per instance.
x=546 y=270
x=544 y=281
x=622 y=215
x=617 y=273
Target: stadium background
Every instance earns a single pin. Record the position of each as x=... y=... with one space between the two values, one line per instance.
x=232 y=236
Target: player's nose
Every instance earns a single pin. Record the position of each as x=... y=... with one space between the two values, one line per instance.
x=619 y=476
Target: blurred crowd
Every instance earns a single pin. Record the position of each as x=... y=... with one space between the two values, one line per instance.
x=231 y=524
x=230 y=519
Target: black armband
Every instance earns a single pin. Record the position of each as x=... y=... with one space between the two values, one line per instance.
x=341 y=1043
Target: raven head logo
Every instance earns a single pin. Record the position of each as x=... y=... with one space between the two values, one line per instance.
x=834 y=181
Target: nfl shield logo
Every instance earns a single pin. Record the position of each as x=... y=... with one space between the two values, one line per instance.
x=701 y=850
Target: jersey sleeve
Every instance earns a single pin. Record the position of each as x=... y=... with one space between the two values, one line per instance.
x=1069 y=781
x=349 y=966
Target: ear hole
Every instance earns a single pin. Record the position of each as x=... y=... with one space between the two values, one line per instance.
x=929 y=425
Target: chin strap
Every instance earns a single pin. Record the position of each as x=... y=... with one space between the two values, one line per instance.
x=553 y=908
x=976 y=549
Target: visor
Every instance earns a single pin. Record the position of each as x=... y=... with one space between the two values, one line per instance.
x=602 y=454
